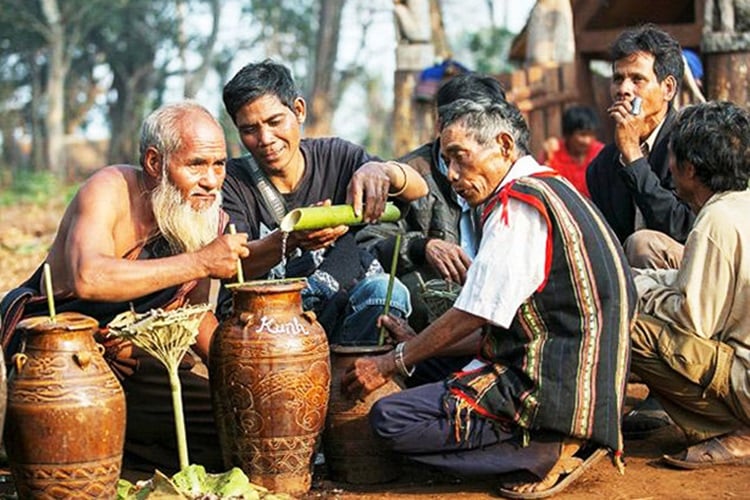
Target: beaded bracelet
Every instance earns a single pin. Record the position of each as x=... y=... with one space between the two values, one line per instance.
x=406 y=179
x=399 y=360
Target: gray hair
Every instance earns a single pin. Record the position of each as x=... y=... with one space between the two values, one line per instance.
x=162 y=129
x=486 y=119
x=714 y=137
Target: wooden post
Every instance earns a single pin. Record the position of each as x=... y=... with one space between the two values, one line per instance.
x=414 y=52
x=727 y=53
x=727 y=74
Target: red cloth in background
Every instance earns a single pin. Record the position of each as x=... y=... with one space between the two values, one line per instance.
x=575 y=172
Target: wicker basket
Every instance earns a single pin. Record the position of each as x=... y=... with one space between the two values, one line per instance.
x=439 y=296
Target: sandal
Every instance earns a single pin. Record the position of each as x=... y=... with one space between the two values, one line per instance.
x=565 y=479
x=709 y=453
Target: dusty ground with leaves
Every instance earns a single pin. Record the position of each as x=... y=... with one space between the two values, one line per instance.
x=26 y=231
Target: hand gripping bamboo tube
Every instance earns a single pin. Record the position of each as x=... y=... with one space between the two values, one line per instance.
x=330 y=216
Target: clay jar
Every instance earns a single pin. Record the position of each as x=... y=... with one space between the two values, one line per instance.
x=65 y=423
x=270 y=374
x=353 y=452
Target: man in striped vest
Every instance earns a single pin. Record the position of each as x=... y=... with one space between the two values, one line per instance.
x=552 y=293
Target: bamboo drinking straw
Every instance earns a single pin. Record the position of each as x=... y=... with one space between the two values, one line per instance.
x=240 y=273
x=389 y=291
x=48 y=289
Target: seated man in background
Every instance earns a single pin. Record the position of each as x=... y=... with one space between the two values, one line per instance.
x=146 y=238
x=551 y=290
x=691 y=342
x=346 y=284
x=630 y=181
x=439 y=231
x=572 y=155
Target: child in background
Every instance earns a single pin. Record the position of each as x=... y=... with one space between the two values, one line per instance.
x=571 y=155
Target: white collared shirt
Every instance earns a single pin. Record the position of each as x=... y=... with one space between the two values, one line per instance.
x=467 y=233
x=509 y=265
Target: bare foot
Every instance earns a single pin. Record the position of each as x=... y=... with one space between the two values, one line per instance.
x=566 y=464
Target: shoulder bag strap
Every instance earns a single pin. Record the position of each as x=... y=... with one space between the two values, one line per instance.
x=271 y=198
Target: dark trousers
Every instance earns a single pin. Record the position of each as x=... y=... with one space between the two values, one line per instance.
x=150 y=439
x=419 y=425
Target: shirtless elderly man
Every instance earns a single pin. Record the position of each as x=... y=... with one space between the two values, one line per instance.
x=149 y=237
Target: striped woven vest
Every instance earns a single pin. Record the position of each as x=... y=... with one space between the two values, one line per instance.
x=562 y=365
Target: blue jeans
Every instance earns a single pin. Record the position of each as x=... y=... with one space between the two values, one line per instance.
x=365 y=303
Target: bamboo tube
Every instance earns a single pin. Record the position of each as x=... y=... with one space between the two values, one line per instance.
x=48 y=289
x=166 y=335
x=179 y=417
x=389 y=291
x=330 y=216
x=240 y=272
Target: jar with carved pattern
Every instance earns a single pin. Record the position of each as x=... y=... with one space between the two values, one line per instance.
x=270 y=374
x=65 y=421
x=353 y=453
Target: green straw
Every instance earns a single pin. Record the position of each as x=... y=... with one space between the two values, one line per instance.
x=240 y=274
x=48 y=289
x=391 y=278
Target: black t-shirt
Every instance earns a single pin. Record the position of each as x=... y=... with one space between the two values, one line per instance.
x=329 y=166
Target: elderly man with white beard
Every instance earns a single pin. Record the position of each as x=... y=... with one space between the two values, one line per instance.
x=144 y=238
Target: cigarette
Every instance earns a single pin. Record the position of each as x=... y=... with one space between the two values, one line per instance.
x=635 y=106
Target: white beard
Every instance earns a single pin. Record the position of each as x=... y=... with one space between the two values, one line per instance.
x=185 y=229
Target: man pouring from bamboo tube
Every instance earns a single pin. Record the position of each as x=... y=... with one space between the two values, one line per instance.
x=346 y=285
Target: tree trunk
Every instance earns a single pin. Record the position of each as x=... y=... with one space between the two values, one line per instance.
x=54 y=117
x=126 y=114
x=320 y=111
x=11 y=156
x=194 y=79
x=36 y=113
x=727 y=77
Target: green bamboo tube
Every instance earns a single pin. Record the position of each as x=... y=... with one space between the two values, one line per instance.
x=179 y=417
x=307 y=218
x=389 y=290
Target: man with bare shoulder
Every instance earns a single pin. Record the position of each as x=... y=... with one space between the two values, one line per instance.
x=144 y=238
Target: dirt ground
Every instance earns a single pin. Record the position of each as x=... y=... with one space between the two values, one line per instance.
x=27 y=231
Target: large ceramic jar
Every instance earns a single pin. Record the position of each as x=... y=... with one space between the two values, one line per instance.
x=270 y=372
x=65 y=422
x=353 y=452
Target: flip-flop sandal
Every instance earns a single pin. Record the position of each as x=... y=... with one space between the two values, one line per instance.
x=709 y=453
x=563 y=481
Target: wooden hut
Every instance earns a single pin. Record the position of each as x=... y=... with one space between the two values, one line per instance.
x=543 y=92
